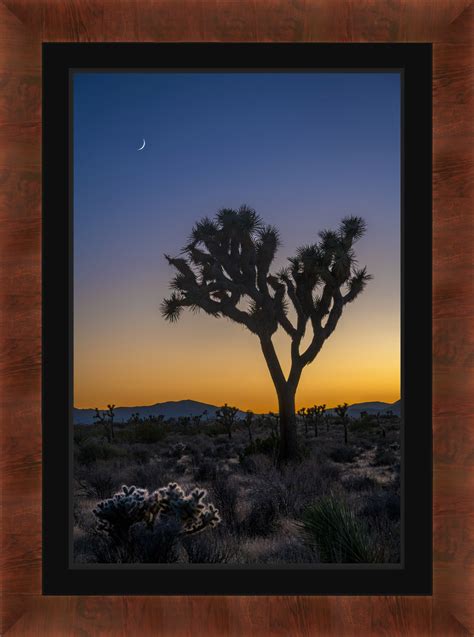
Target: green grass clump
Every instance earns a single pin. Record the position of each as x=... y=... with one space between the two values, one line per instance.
x=334 y=530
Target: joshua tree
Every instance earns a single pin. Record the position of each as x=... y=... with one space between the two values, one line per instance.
x=305 y=416
x=248 y=421
x=226 y=416
x=106 y=419
x=341 y=411
x=319 y=412
x=224 y=270
x=378 y=418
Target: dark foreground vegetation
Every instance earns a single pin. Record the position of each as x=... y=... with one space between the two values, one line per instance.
x=212 y=491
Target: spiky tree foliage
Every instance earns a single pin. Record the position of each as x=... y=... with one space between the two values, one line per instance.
x=226 y=416
x=248 y=422
x=378 y=419
x=302 y=413
x=106 y=419
x=341 y=411
x=224 y=270
x=131 y=505
x=317 y=413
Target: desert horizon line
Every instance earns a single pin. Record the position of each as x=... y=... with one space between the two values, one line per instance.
x=219 y=404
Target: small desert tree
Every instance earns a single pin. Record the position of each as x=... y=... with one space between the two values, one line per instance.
x=341 y=411
x=226 y=416
x=106 y=419
x=305 y=417
x=248 y=422
x=225 y=271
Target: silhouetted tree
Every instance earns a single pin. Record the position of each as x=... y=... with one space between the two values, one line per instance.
x=226 y=416
x=341 y=411
x=106 y=419
x=305 y=416
x=225 y=271
x=248 y=421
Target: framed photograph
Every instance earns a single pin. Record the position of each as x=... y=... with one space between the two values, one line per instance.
x=276 y=199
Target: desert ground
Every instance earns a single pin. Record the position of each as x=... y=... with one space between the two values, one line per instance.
x=337 y=503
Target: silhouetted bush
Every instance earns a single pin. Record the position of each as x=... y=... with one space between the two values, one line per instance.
x=225 y=494
x=205 y=471
x=386 y=503
x=343 y=454
x=359 y=483
x=93 y=450
x=149 y=432
x=332 y=527
x=262 y=518
x=209 y=548
x=384 y=457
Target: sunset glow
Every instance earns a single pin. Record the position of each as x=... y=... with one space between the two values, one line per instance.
x=304 y=150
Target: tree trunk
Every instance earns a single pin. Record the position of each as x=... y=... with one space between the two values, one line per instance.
x=288 y=440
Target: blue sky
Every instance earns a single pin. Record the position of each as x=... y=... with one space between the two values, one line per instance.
x=303 y=149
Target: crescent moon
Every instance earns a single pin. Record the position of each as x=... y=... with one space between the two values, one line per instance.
x=142 y=147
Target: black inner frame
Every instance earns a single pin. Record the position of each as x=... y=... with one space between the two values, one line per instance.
x=414 y=575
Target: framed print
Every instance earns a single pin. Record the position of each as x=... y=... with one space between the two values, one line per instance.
x=277 y=200
x=447 y=28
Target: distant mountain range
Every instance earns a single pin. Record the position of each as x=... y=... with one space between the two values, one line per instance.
x=177 y=409
x=373 y=408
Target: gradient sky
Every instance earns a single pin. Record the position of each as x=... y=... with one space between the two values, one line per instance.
x=304 y=150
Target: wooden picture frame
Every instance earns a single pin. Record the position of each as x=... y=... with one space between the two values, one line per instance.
x=448 y=26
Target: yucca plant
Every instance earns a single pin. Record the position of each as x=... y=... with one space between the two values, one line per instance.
x=334 y=530
x=224 y=271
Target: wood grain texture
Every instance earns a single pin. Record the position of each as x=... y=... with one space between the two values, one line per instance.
x=24 y=24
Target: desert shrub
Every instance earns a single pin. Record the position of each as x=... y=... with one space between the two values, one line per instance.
x=149 y=432
x=177 y=450
x=210 y=548
x=148 y=474
x=363 y=425
x=214 y=429
x=339 y=537
x=98 y=481
x=384 y=457
x=268 y=446
x=141 y=453
x=262 y=518
x=206 y=470
x=343 y=454
x=180 y=468
x=329 y=472
x=359 y=483
x=225 y=494
x=289 y=550
x=384 y=503
x=222 y=451
x=158 y=545
x=248 y=463
x=93 y=450
x=292 y=487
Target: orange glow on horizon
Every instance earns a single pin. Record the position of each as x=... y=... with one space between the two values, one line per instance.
x=214 y=361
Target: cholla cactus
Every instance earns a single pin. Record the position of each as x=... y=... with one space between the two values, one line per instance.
x=131 y=506
x=193 y=514
x=117 y=514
